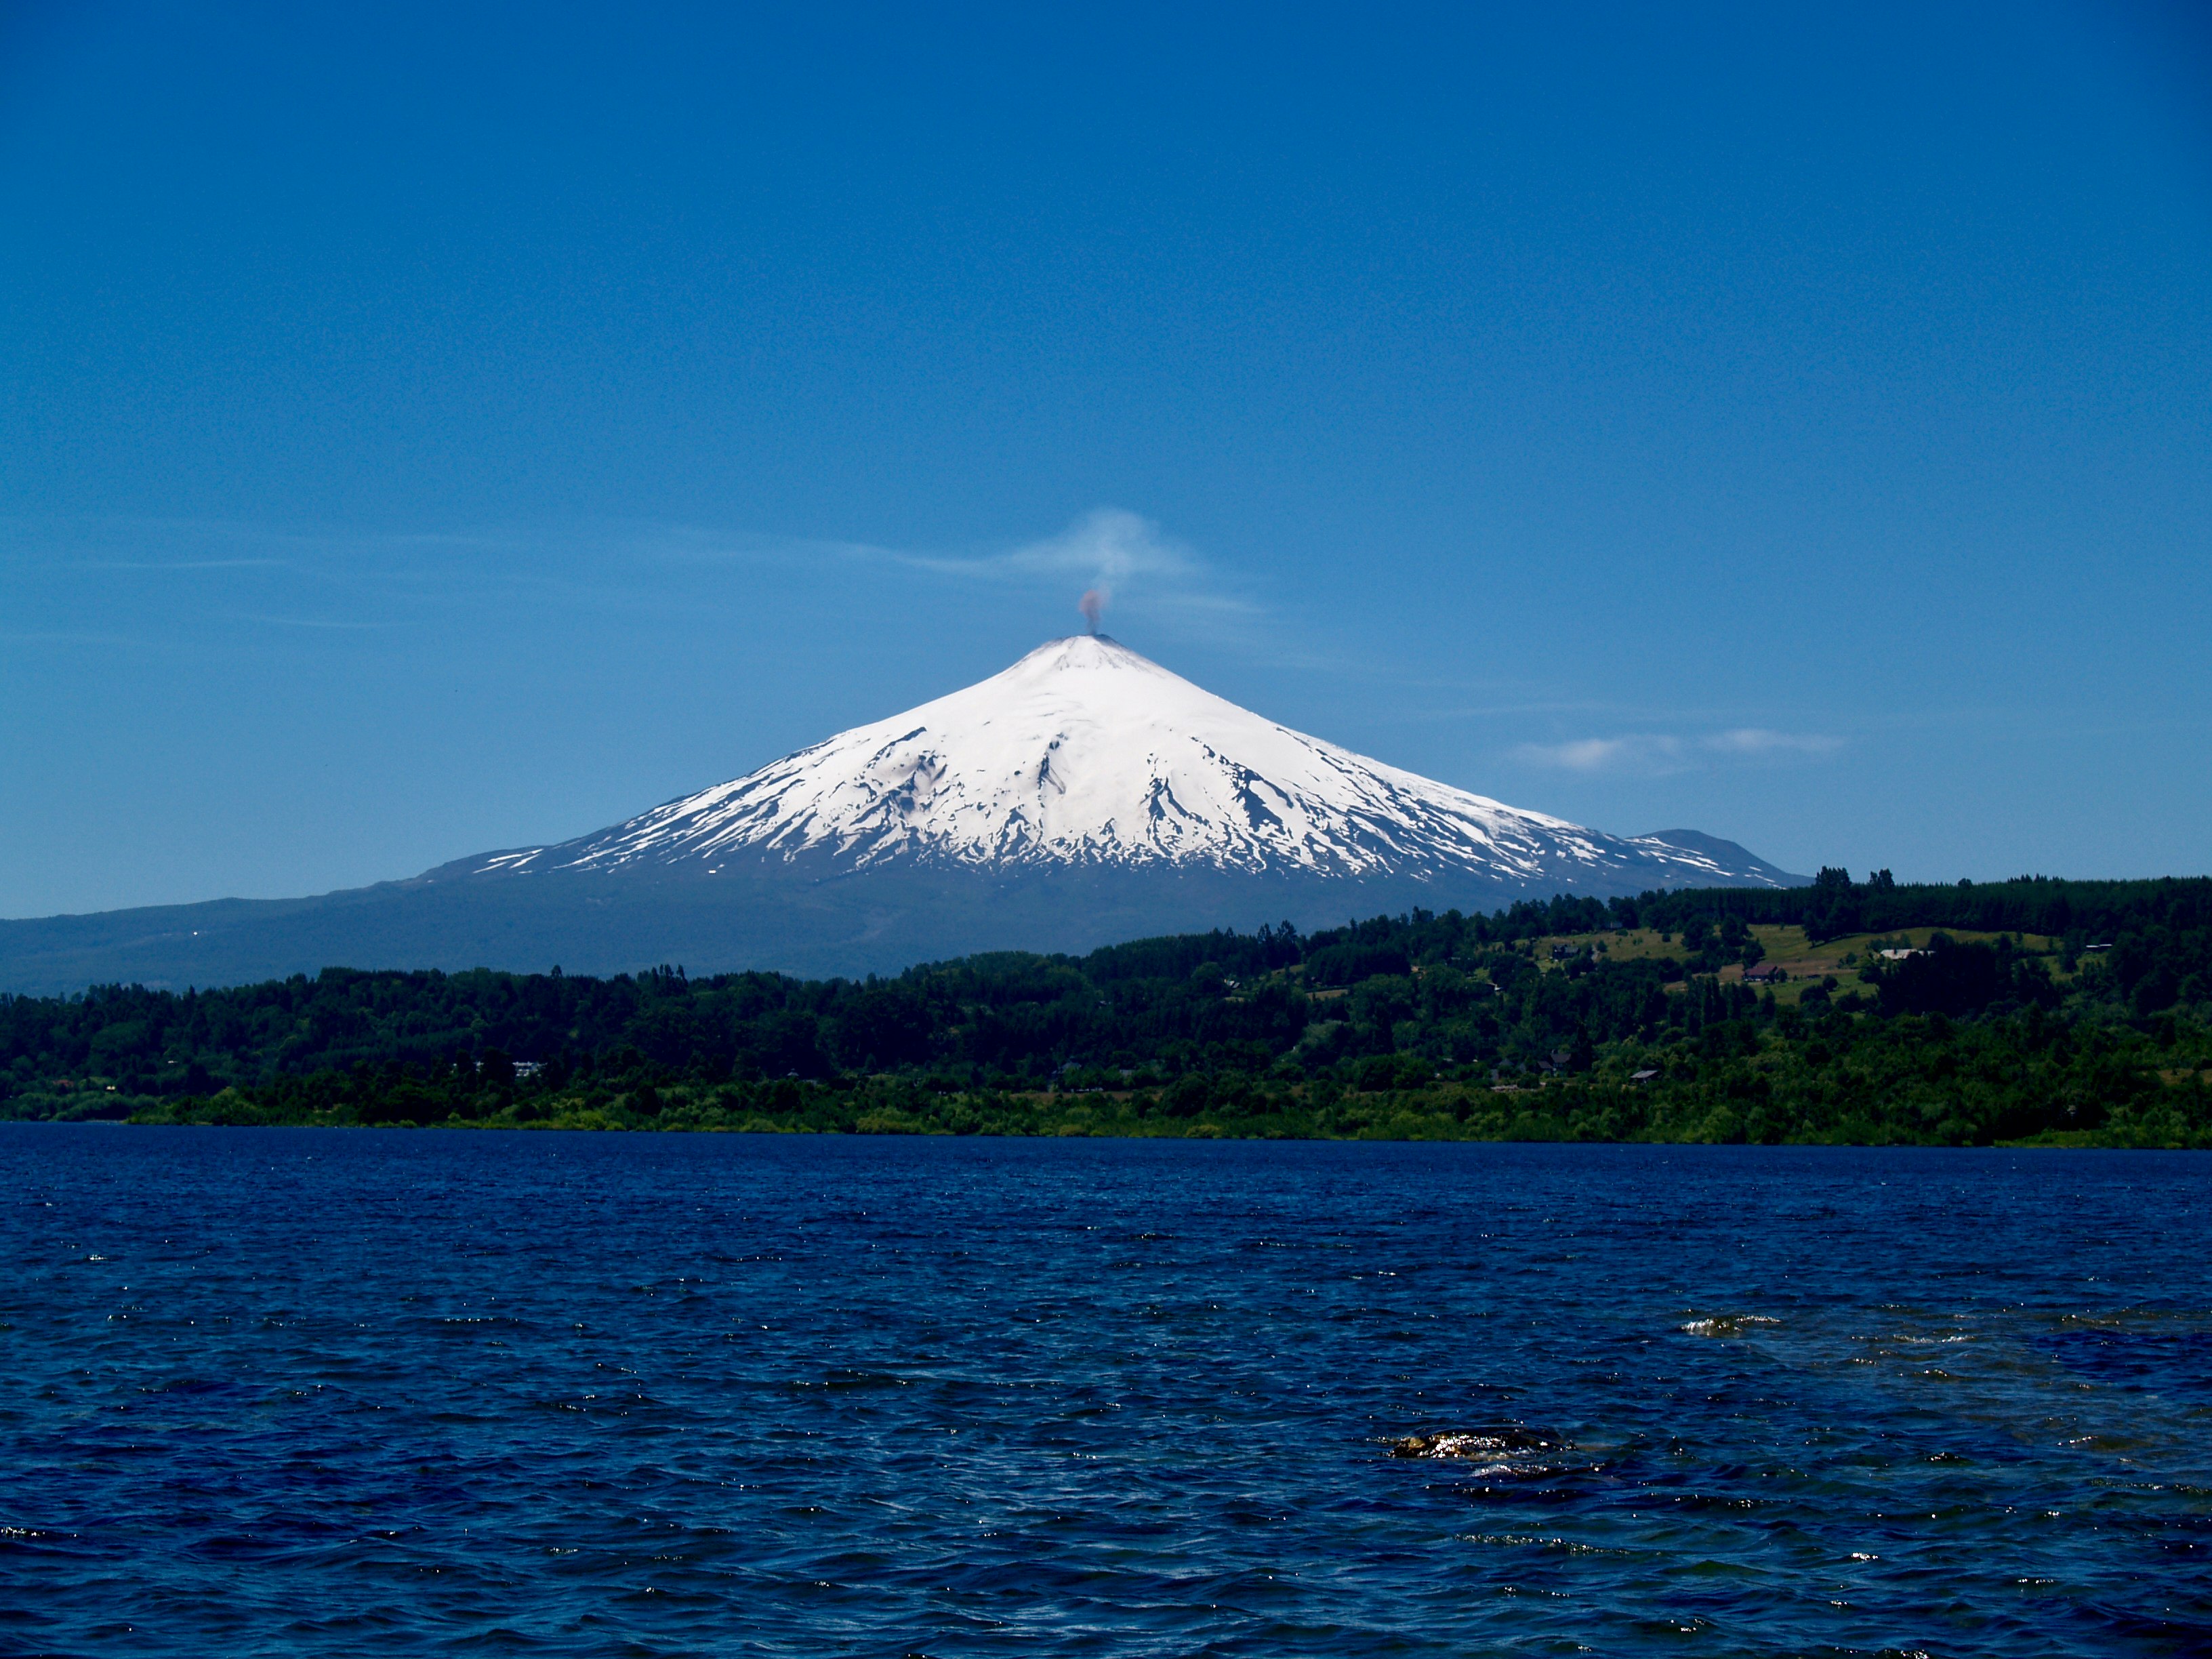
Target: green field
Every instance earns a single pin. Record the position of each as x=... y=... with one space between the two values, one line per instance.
x=1787 y=947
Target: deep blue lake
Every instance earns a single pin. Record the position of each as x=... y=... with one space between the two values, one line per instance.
x=320 y=1392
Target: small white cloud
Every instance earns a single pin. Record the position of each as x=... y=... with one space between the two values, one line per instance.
x=1659 y=751
x=1109 y=545
x=1106 y=545
x=1646 y=752
x=1108 y=550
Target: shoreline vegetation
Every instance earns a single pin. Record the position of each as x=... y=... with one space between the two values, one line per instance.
x=2027 y=1012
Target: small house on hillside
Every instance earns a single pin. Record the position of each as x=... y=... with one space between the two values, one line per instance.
x=1765 y=974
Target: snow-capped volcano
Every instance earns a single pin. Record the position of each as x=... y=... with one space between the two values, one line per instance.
x=1085 y=755
x=1084 y=797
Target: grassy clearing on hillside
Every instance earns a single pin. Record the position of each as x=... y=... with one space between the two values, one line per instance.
x=1805 y=961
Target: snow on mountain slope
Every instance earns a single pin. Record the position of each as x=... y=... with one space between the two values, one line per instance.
x=1085 y=755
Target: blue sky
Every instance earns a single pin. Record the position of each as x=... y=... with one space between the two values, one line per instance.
x=447 y=428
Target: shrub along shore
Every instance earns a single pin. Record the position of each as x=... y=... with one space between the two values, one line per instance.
x=2032 y=1012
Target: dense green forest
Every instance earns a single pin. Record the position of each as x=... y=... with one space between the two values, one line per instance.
x=2066 y=1012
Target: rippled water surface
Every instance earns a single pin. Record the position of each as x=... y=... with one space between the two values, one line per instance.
x=320 y=1392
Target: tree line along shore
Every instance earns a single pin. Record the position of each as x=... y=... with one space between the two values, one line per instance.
x=2034 y=1011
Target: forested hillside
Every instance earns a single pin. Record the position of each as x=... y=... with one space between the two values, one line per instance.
x=2079 y=1011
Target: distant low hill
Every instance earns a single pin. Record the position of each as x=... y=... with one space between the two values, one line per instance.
x=803 y=917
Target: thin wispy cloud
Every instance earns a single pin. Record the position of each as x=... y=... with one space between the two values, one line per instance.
x=311 y=622
x=293 y=578
x=1117 y=553
x=59 y=636
x=1410 y=716
x=182 y=565
x=1662 y=752
x=116 y=543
